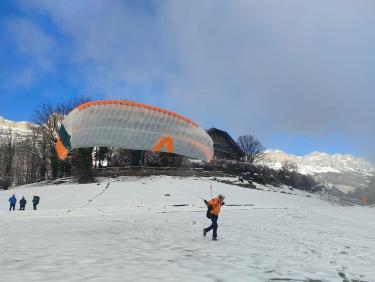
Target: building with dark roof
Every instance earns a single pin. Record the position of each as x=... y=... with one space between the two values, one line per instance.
x=224 y=146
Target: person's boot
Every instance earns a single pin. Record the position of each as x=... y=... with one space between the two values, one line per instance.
x=204 y=232
x=214 y=238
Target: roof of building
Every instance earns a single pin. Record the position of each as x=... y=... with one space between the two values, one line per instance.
x=228 y=137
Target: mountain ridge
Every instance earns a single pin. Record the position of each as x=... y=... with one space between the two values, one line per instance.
x=344 y=172
x=20 y=127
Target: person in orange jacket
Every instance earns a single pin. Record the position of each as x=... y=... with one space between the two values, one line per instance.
x=214 y=206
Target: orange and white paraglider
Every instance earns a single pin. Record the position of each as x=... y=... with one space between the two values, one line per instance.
x=131 y=125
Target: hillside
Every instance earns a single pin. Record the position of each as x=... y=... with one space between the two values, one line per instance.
x=150 y=229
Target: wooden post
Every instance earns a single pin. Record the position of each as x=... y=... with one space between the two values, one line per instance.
x=364 y=200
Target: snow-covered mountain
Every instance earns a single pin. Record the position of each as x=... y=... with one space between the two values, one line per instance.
x=344 y=172
x=20 y=129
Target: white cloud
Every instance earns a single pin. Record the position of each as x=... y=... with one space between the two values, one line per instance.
x=38 y=52
x=32 y=42
x=115 y=45
x=300 y=67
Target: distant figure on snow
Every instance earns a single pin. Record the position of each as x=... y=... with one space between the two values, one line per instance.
x=12 y=202
x=22 y=204
x=35 y=201
x=214 y=207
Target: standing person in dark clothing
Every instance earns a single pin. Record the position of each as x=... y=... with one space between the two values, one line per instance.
x=22 y=204
x=12 y=202
x=35 y=201
x=214 y=206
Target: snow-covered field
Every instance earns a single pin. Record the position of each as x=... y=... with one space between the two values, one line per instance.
x=150 y=229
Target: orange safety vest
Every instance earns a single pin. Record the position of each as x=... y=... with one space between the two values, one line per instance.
x=216 y=205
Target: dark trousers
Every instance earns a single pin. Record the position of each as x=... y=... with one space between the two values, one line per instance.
x=22 y=207
x=213 y=225
x=12 y=206
x=34 y=205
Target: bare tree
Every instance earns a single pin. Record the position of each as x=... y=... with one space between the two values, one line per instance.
x=32 y=157
x=82 y=163
x=48 y=117
x=27 y=160
x=6 y=159
x=252 y=148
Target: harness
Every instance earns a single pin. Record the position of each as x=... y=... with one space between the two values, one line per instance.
x=209 y=208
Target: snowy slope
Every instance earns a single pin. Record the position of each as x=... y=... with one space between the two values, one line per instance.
x=345 y=172
x=129 y=229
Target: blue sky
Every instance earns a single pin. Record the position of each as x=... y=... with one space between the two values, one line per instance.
x=298 y=75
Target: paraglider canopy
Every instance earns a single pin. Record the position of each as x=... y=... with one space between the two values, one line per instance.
x=131 y=125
